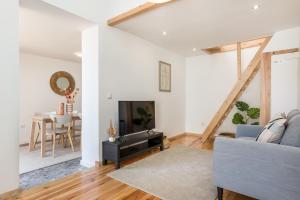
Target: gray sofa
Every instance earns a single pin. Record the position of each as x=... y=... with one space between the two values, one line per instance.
x=264 y=171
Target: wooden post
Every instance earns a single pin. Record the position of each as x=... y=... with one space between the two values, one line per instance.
x=239 y=60
x=266 y=88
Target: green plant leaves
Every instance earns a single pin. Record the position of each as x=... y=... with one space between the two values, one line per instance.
x=242 y=106
x=238 y=119
x=141 y=111
x=253 y=113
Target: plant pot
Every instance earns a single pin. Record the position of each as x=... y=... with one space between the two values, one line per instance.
x=69 y=108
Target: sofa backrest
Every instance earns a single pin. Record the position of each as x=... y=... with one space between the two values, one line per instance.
x=291 y=135
x=292 y=114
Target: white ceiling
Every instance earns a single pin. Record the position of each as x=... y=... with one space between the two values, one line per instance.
x=48 y=31
x=207 y=23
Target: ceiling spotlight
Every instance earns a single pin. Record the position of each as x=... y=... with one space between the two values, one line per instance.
x=78 y=54
x=158 y=1
x=194 y=49
x=256 y=7
x=164 y=33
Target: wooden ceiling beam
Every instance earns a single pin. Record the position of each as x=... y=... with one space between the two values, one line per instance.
x=135 y=12
x=286 y=51
x=233 y=47
x=239 y=60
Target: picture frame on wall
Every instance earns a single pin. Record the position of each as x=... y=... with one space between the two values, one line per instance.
x=164 y=77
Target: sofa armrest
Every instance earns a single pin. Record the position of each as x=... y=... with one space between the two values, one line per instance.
x=260 y=170
x=248 y=130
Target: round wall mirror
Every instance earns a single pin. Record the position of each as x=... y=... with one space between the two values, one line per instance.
x=62 y=81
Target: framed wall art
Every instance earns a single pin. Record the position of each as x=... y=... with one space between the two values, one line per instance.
x=164 y=77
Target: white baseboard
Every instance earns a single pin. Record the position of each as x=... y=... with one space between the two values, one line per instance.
x=87 y=163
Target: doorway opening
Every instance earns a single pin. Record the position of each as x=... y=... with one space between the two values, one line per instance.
x=50 y=87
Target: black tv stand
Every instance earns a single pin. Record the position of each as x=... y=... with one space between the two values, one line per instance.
x=128 y=146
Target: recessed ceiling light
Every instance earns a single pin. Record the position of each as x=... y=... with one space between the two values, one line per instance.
x=164 y=33
x=78 y=54
x=256 y=7
x=194 y=49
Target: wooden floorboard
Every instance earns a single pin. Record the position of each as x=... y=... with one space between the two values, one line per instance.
x=94 y=184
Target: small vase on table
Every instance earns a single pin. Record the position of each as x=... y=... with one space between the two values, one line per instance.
x=70 y=96
x=69 y=108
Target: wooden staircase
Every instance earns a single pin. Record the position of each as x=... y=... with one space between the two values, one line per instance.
x=233 y=96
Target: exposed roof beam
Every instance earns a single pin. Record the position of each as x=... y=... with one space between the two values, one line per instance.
x=239 y=60
x=233 y=47
x=286 y=51
x=135 y=12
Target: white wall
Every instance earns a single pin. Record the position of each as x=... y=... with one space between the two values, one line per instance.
x=285 y=83
x=299 y=76
x=284 y=39
x=36 y=93
x=285 y=78
x=9 y=101
x=209 y=79
x=90 y=102
x=130 y=72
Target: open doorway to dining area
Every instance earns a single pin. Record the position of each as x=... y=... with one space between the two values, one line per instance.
x=50 y=86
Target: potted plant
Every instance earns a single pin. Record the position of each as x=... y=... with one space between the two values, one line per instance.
x=246 y=114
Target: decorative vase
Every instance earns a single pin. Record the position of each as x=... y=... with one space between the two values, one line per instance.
x=61 y=109
x=111 y=139
x=69 y=108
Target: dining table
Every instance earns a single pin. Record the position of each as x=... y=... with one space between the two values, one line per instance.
x=43 y=120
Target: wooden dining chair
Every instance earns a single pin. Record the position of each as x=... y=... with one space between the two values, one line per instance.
x=77 y=126
x=62 y=125
x=39 y=128
x=38 y=131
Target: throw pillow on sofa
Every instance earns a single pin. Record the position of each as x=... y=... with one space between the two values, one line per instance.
x=291 y=135
x=274 y=130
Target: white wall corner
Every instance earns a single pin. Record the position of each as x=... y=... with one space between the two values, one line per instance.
x=87 y=163
x=90 y=96
x=299 y=76
x=285 y=39
x=9 y=101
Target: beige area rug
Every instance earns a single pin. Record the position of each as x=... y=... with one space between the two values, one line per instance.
x=179 y=173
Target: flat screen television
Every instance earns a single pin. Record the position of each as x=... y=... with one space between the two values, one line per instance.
x=136 y=116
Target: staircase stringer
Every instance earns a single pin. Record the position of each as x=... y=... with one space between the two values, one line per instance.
x=235 y=93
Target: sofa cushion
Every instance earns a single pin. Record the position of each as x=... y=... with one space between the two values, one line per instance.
x=291 y=135
x=293 y=113
x=247 y=138
x=273 y=131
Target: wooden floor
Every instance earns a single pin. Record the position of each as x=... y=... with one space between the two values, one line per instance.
x=94 y=184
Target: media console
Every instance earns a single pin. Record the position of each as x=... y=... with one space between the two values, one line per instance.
x=128 y=146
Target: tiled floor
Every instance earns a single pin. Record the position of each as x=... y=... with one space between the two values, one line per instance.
x=30 y=161
x=50 y=173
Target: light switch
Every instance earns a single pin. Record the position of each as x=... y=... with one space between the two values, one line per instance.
x=109 y=96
